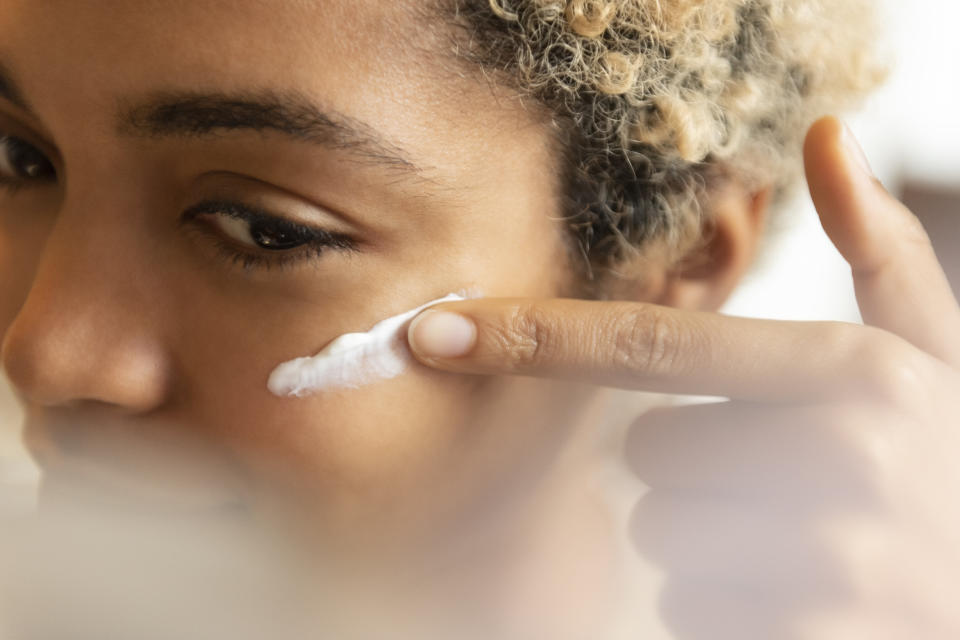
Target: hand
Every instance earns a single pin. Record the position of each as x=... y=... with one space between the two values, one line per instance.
x=823 y=500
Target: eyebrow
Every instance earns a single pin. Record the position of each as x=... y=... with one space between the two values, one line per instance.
x=199 y=115
x=10 y=91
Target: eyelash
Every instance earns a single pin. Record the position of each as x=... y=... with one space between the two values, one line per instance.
x=13 y=185
x=318 y=241
x=10 y=185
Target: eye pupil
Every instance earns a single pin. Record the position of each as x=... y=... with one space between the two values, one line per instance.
x=27 y=161
x=32 y=170
x=274 y=239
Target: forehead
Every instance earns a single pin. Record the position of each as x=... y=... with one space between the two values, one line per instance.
x=274 y=30
x=257 y=27
x=388 y=64
x=366 y=58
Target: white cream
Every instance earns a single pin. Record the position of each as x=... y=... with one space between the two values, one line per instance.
x=353 y=359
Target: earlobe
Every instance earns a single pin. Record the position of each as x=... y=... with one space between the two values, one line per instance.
x=706 y=277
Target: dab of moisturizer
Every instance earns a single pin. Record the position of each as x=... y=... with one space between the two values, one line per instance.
x=353 y=359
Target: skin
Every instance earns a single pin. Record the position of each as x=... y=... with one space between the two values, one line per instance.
x=115 y=314
x=820 y=501
x=141 y=354
x=140 y=351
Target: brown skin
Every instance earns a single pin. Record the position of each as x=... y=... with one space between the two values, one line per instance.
x=822 y=496
x=141 y=354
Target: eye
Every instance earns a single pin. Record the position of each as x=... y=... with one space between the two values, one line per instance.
x=261 y=233
x=253 y=237
x=22 y=163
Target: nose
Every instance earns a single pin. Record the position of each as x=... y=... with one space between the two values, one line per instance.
x=86 y=332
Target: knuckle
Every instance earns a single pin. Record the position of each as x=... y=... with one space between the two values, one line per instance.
x=894 y=372
x=523 y=338
x=645 y=340
x=913 y=231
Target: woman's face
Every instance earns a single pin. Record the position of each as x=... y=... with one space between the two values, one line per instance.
x=141 y=316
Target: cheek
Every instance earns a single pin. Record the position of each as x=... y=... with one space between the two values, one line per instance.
x=23 y=233
x=349 y=454
x=402 y=450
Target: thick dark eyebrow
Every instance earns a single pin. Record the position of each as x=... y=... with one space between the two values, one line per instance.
x=10 y=92
x=198 y=115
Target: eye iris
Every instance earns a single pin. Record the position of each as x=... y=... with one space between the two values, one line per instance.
x=28 y=161
x=272 y=238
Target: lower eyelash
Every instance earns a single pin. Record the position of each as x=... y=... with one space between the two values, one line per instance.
x=249 y=261
x=10 y=185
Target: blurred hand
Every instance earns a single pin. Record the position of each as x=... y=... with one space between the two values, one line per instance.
x=823 y=500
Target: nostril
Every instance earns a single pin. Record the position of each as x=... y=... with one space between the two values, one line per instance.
x=22 y=364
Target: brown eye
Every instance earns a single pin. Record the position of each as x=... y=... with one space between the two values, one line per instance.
x=253 y=229
x=22 y=162
x=261 y=234
x=254 y=237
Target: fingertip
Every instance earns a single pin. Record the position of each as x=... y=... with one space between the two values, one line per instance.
x=862 y=219
x=822 y=131
x=824 y=157
x=842 y=187
x=833 y=156
x=436 y=335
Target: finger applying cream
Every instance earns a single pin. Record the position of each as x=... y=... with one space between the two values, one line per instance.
x=353 y=359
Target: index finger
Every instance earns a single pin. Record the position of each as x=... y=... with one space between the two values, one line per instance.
x=655 y=348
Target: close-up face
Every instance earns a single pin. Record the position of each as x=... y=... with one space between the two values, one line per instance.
x=415 y=319
x=196 y=192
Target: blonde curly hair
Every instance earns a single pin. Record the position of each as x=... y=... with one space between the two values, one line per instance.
x=654 y=101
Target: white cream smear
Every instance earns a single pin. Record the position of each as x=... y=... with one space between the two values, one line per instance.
x=352 y=360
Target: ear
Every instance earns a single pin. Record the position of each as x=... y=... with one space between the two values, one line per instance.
x=706 y=277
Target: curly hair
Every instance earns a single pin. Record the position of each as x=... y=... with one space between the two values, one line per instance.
x=654 y=101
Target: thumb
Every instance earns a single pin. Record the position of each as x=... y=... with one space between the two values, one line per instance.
x=899 y=282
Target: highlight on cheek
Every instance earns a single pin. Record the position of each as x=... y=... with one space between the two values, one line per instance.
x=354 y=359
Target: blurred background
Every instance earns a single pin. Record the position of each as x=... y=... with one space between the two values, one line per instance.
x=17 y=475
x=911 y=133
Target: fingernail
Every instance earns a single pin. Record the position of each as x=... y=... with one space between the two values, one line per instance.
x=441 y=334
x=855 y=151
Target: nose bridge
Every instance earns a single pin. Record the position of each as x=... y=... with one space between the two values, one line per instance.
x=88 y=330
